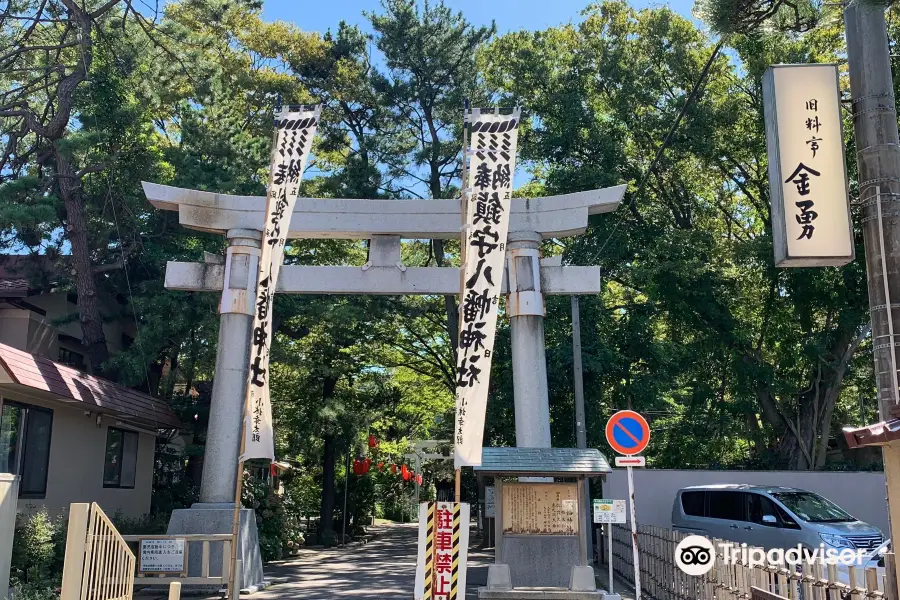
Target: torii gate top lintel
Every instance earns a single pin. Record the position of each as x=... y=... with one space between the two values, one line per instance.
x=332 y=218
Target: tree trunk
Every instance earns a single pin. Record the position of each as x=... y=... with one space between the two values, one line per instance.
x=326 y=510
x=93 y=336
x=329 y=457
x=803 y=435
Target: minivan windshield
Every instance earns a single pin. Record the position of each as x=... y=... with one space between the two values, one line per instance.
x=812 y=507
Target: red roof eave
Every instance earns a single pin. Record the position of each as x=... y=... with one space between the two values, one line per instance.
x=68 y=384
x=873 y=435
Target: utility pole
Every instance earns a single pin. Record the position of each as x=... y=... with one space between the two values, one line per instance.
x=580 y=426
x=878 y=159
x=580 y=431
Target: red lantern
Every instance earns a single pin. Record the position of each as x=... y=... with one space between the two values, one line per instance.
x=405 y=473
x=366 y=464
x=358 y=467
x=373 y=441
x=419 y=479
x=381 y=466
x=393 y=469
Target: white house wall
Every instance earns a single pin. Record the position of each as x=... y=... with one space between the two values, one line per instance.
x=77 y=452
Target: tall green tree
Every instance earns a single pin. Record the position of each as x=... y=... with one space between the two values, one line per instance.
x=430 y=57
x=695 y=325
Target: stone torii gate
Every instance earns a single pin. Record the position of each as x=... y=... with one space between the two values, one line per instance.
x=384 y=223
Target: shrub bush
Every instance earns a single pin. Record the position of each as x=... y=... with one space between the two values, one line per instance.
x=39 y=550
x=279 y=530
x=155 y=524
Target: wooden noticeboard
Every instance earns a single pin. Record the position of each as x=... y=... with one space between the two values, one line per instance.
x=540 y=508
x=162 y=556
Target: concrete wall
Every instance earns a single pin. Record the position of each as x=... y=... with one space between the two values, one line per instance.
x=77 y=452
x=39 y=334
x=862 y=494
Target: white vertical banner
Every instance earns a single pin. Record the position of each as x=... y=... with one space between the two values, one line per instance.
x=492 y=162
x=811 y=223
x=295 y=128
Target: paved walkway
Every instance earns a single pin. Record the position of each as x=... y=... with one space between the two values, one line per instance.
x=385 y=569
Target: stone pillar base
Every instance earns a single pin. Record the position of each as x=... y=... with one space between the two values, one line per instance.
x=582 y=579
x=499 y=578
x=219 y=518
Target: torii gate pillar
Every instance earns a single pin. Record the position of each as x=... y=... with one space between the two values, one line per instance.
x=232 y=364
x=529 y=359
x=215 y=511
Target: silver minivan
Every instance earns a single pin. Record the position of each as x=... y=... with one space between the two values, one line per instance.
x=770 y=517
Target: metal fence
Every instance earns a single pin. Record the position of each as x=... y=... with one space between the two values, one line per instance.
x=661 y=579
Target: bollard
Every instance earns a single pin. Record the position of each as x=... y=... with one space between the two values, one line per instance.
x=175 y=590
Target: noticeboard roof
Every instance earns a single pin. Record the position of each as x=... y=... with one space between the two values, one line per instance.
x=559 y=462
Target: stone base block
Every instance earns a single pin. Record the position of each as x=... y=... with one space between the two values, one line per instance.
x=498 y=577
x=611 y=596
x=582 y=579
x=540 y=561
x=218 y=518
x=536 y=594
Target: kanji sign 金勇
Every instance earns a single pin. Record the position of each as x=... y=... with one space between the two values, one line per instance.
x=811 y=224
x=443 y=540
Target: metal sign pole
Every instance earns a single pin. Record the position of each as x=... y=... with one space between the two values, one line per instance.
x=609 y=557
x=634 y=544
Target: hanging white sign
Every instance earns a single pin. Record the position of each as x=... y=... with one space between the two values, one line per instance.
x=492 y=161
x=811 y=224
x=294 y=132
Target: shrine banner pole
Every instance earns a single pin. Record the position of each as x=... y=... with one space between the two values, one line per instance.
x=464 y=206
x=237 y=517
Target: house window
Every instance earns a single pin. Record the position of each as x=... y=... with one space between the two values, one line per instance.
x=25 y=446
x=71 y=359
x=121 y=458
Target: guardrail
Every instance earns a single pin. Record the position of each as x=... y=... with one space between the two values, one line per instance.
x=100 y=565
x=661 y=579
x=191 y=540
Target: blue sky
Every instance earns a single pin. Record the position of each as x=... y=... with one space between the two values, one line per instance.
x=510 y=15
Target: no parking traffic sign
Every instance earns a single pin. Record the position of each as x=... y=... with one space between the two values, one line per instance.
x=627 y=432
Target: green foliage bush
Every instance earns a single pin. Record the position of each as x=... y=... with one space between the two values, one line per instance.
x=38 y=554
x=279 y=529
x=153 y=524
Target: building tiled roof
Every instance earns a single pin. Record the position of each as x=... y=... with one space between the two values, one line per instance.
x=20 y=274
x=70 y=385
x=543 y=461
x=13 y=288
